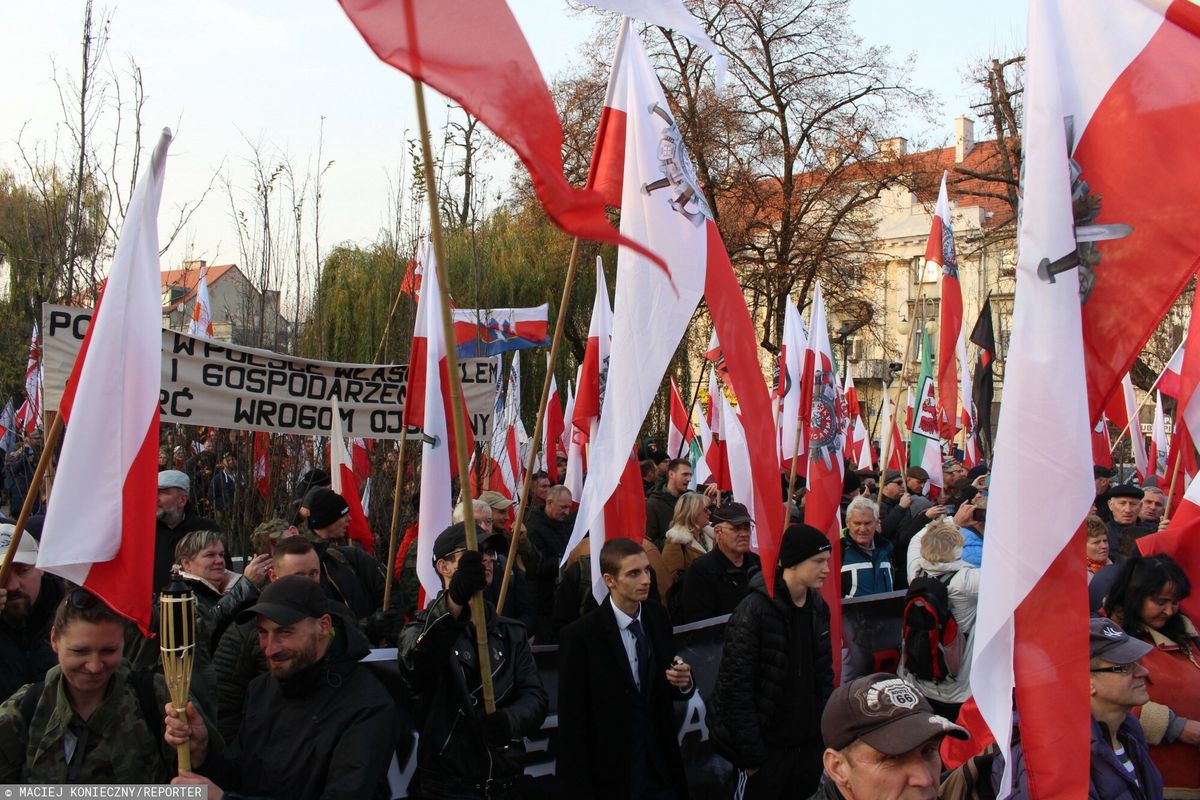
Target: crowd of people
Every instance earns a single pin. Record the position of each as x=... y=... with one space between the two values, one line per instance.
x=279 y=678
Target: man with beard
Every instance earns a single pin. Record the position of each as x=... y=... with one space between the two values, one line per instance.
x=176 y=518
x=27 y=603
x=318 y=725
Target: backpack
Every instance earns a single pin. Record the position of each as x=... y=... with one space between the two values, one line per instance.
x=929 y=648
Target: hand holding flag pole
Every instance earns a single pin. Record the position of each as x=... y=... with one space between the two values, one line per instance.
x=478 y=614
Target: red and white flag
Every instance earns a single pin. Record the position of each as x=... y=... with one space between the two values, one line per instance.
x=201 y=325
x=669 y=14
x=262 y=464
x=1101 y=444
x=680 y=433
x=1122 y=411
x=858 y=441
x=716 y=455
x=29 y=415
x=574 y=477
x=826 y=456
x=940 y=250
x=1181 y=541
x=344 y=481
x=473 y=52
x=897 y=453
x=966 y=414
x=553 y=427
x=427 y=406
x=109 y=461
x=1159 y=448
x=790 y=388
x=1168 y=381
x=662 y=206
x=1098 y=78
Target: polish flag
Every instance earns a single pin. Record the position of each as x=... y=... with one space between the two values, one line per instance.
x=553 y=426
x=908 y=411
x=1182 y=459
x=716 y=453
x=790 y=388
x=1157 y=458
x=680 y=433
x=663 y=207
x=262 y=464
x=858 y=442
x=940 y=250
x=1168 y=381
x=826 y=457
x=109 y=460
x=1181 y=541
x=201 y=325
x=1098 y=78
x=564 y=437
x=897 y=453
x=427 y=406
x=344 y=481
x=967 y=413
x=29 y=415
x=594 y=370
x=1122 y=411
x=574 y=477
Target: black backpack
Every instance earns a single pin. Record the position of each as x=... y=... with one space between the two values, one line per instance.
x=930 y=649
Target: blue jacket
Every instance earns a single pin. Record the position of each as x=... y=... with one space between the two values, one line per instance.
x=1109 y=781
x=866 y=573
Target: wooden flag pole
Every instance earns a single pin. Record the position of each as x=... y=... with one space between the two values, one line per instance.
x=556 y=342
x=902 y=384
x=692 y=405
x=391 y=562
x=35 y=485
x=478 y=613
x=1136 y=415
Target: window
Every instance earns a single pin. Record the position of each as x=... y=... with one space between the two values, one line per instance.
x=925 y=272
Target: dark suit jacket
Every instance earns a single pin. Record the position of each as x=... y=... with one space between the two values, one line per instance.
x=596 y=694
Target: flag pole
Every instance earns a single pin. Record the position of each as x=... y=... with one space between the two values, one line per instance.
x=902 y=384
x=1137 y=413
x=391 y=562
x=35 y=486
x=692 y=405
x=478 y=615
x=555 y=343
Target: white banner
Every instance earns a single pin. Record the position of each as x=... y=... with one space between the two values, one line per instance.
x=224 y=385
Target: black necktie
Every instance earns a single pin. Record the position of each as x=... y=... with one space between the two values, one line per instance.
x=643 y=652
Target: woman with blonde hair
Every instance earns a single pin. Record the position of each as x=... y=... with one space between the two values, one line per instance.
x=689 y=537
x=940 y=546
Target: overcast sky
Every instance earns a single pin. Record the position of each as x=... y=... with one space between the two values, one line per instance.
x=220 y=72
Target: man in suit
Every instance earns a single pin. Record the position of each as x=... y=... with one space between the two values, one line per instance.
x=618 y=680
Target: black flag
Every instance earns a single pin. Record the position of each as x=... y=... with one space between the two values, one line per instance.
x=982 y=386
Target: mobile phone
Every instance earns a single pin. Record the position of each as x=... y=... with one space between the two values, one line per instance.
x=950 y=509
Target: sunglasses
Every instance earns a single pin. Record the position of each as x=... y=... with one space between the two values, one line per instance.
x=1120 y=669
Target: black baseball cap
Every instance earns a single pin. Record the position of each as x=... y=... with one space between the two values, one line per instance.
x=455 y=538
x=290 y=599
x=886 y=712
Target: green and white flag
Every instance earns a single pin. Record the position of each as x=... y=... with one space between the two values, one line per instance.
x=925 y=449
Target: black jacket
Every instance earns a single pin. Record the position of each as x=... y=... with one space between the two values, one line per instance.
x=660 y=509
x=596 y=693
x=439 y=662
x=758 y=665
x=25 y=652
x=238 y=660
x=713 y=586
x=327 y=732
x=166 y=538
x=353 y=577
x=549 y=539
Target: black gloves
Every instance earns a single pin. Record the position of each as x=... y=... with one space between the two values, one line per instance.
x=469 y=578
x=382 y=627
x=496 y=731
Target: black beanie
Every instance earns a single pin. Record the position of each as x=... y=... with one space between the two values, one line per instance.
x=325 y=508
x=800 y=543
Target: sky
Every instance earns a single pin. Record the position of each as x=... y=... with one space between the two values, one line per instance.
x=226 y=74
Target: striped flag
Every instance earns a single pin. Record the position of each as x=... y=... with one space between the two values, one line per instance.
x=925 y=445
x=201 y=325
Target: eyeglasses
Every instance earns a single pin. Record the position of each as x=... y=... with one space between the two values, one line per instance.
x=1120 y=669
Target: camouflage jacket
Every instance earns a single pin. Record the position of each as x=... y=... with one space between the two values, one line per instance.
x=121 y=747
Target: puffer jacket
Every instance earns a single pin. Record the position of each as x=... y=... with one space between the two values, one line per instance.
x=439 y=662
x=238 y=660
x=328 y=732
x=756 y=667
x=122 y=747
